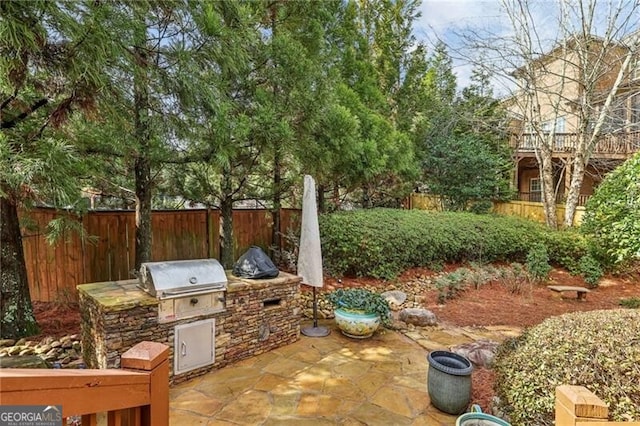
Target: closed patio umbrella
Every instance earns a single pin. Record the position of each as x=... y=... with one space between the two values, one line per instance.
x=310 y=253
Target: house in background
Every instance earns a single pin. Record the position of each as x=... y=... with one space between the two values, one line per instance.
x=548 y=107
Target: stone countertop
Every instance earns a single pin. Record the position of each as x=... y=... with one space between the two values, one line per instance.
x=239 y=284
x=123 y=295
x=117 y=295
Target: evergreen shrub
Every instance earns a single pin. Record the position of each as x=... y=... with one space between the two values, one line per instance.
x=612 y=216
x=598 y=350
x=538 y=263
x=565 y=248
x=590 y=270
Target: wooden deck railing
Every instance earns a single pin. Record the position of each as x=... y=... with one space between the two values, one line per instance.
x=536 y=197
x=577 y=406
x=136 y=395
x=608 y=144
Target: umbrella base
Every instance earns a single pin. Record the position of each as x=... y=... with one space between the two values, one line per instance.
x=312 y=331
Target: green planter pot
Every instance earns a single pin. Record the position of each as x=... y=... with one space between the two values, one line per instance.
x=356 y=324
x=449 y=381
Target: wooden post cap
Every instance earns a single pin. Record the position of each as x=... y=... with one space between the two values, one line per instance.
x=145 y=356
x=582 y=402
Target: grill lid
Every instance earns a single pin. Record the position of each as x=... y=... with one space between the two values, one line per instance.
x=182 y=277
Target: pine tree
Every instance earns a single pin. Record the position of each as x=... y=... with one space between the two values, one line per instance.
x=53 y=55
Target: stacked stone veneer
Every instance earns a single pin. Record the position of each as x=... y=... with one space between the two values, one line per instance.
x=260 y=315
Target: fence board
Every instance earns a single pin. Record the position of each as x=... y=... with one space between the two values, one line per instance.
x=110 y=255
x=213 y=233
x=108 y=251
x=50 y=268
x=251 y=228
x=290 y=222
x=179 y=235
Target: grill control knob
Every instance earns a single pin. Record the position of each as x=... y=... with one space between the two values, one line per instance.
x=194 y=300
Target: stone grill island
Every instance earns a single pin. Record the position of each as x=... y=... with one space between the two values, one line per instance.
x=249 y=318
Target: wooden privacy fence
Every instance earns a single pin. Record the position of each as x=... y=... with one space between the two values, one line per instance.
x=107 y=250
x=138 y=397
x=527 y=209
x=535 y=211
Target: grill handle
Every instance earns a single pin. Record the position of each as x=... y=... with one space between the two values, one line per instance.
x=191 y=293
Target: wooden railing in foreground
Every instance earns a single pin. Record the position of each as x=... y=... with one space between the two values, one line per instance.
x=578 y=406
x=136 y=395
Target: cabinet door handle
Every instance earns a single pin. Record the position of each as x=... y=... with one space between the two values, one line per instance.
x=183 y=349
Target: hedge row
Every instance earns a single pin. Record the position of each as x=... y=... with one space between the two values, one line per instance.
x=384 y=242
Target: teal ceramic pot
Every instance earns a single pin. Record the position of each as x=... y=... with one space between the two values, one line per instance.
x=449 y=381
x=477 y=418
x=356 y=324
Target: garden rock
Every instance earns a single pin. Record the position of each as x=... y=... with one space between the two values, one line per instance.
x=65 y=352
x=418 y=317
x=395 y=298
x=480 y=352
x=23 y=361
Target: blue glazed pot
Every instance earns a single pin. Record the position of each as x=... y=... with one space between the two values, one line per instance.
x=358 y=325
x=449 y=381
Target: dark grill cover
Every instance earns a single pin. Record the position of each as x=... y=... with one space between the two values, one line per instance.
x=255 y=263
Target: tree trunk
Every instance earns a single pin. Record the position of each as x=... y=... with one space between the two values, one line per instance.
x=548 y=188
x=277 y=160
x=321 y=199
x=366 y=198
x=577 y=176
x=277 y=202
x=143 y=211
x=336 y=197
x=226 y=252
x=16 y=312
x=226 y=213
x=143 y=162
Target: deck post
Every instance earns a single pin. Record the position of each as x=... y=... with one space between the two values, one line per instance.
x=577 y=404
x=152 y=357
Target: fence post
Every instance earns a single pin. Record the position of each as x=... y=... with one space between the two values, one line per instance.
x=577 y=403
x=152 y=357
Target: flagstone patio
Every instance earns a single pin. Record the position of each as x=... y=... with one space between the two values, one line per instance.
x=319 y=381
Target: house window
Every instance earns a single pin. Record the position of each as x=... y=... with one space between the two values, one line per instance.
x=535 y=190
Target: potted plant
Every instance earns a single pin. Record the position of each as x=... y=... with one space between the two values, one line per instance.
x=358 y=311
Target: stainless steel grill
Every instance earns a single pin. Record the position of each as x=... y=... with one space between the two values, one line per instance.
x=188 y=289
x=182 y=278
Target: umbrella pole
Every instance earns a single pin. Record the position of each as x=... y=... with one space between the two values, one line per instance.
x=315 y=331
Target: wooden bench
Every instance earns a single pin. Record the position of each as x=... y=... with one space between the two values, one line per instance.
x=581 y=291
